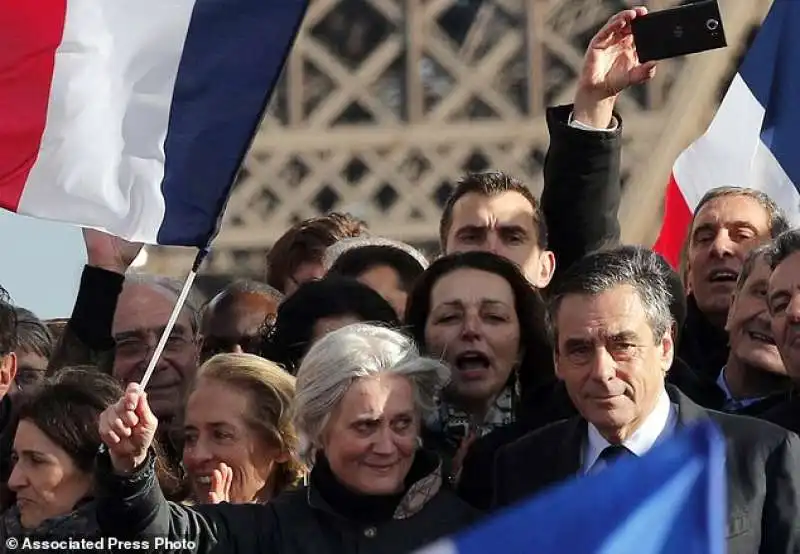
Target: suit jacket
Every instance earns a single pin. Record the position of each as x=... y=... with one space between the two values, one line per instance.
x=763 y=473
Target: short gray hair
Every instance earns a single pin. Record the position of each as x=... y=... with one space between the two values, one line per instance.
x=602 y=271
x=358 y=351
x=194 y=302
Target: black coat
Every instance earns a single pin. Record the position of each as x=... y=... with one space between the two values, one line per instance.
x=296 y=522
x=582 y=188
x=763 y=474
x=786 y=414
x=703 y=346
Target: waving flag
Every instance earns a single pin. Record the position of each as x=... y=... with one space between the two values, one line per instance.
x=752 y=141
x=133 y=116
x=671 y=500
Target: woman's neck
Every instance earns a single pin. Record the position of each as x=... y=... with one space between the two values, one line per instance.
x=349 y=503
x=476 y=408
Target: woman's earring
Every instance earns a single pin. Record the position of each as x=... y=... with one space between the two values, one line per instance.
x=419 y=443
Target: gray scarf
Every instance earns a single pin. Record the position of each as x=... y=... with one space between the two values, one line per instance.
x=81 y=522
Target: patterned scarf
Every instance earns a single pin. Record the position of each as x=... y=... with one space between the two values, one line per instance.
x=451 y=425
x=81 y=522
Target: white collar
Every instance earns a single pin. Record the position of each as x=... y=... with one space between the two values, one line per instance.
x=641 y=440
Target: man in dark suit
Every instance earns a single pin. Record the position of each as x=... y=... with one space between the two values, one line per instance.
x=611 y=322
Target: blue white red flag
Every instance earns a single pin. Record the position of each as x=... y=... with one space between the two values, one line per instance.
x=670 y=500
x=752 y=140
x=133 y=117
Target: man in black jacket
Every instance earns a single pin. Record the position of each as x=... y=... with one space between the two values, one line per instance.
x=727 y=223
x=753 y=379
x=611 y=324
x=577 y=215
x=579 y=204
x=783 y=298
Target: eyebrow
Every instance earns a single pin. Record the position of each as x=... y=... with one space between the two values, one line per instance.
x=30 y=452
x=484 y=227
x=459 y=303
x=629 y=336
x=140 y=331
x=713 y=226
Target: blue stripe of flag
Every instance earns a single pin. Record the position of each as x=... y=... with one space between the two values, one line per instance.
x=771 y=70
x=232 y=58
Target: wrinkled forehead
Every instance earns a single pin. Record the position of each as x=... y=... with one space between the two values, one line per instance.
x=499 y=209
x=614 y=311
x=471 y=285
x=732 y=209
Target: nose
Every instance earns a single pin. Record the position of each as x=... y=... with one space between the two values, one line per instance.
x=493 y=243
x=793 y=309
x=722 y=245
x=17 y=480
x=196 y=454
x=384 y=442
x=471 y=328
x=603 y=366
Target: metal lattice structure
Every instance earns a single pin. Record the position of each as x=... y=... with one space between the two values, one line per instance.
x=384 y=103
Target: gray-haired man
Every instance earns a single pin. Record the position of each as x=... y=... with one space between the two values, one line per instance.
x=611 y=322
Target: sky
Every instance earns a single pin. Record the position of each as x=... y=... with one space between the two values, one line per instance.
x=42 y=263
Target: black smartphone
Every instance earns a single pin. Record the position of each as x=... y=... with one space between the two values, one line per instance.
x=687 y=29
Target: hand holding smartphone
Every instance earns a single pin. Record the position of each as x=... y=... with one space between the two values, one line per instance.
x=687 y=29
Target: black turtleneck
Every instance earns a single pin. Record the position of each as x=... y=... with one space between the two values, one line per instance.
x=366 y=508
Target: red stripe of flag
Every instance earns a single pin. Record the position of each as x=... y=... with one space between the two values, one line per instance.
x=677 y=219
x=31 y=31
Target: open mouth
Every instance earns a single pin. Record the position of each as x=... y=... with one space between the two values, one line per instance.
x=472 y=360
x=723 y=275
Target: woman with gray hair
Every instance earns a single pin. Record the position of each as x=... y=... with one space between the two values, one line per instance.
x=362 y=393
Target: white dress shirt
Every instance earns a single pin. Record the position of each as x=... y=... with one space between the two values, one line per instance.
x=584 y=127
x=656 y=427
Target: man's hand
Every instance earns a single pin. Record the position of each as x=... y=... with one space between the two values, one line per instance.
x=609 y=67
x=109 y=252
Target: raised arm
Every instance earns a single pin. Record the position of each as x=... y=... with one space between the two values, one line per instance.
x=130 y=504
x=582 y=187
x=87 y=339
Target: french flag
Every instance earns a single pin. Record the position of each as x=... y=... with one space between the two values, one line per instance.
x=133 y=116
x=753 y=139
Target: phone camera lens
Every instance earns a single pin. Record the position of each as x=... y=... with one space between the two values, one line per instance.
x=712 y=24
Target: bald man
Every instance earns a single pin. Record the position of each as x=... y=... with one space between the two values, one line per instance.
x=233 y=319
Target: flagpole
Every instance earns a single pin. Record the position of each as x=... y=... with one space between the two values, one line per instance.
x=173 y=318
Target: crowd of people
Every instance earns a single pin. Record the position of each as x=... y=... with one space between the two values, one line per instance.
x=367 y=399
